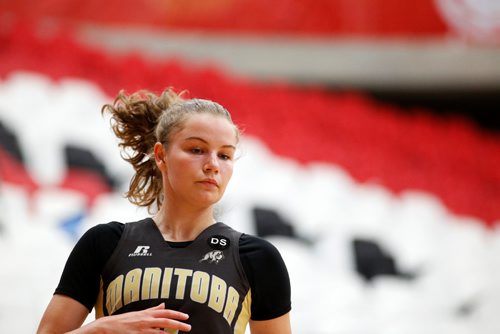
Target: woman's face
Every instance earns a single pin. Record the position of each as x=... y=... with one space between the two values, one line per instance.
x=198 y=162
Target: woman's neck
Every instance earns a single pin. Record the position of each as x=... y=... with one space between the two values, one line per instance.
x=182 y=226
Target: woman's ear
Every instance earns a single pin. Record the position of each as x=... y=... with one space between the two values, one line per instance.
x=159 y=153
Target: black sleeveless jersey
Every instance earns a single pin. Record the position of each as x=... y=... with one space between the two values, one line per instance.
x=205 y=279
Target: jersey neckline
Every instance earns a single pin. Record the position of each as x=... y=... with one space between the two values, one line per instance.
x=180 y=244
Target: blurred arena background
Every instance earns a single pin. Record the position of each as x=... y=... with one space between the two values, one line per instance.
x=370 y=157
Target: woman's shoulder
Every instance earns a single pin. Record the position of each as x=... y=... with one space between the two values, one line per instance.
x=256 y=246
x=256 y=252
x=100 y=239
x=102 y=232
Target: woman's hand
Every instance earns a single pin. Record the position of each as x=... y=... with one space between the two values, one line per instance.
x=151 y=320
x=66 y=315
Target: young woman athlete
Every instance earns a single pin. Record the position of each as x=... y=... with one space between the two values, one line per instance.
x=179 y=270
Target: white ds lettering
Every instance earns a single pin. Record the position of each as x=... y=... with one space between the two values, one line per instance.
x=218 y=242
x=215 y=241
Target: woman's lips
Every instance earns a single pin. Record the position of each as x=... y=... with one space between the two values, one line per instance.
x=210 y=182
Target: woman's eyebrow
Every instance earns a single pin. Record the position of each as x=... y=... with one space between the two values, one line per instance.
x=206 y=142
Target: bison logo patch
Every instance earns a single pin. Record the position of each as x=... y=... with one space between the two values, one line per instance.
x=213 y=256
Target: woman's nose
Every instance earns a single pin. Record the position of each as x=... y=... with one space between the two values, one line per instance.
x=212 y=164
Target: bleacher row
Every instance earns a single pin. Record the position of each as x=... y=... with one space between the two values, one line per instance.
x=448 y=157
x=387 y=223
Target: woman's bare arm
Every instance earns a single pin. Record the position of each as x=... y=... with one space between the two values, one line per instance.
x=66 y=315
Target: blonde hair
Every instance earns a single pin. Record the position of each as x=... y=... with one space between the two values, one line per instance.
x=142 y=119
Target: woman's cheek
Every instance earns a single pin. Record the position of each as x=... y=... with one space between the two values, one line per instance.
x=228 y=169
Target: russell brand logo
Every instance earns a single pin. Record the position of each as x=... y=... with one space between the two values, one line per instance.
x=141 y=251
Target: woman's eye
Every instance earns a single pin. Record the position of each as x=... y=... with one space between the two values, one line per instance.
x=196 y=150
x=225 y=157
